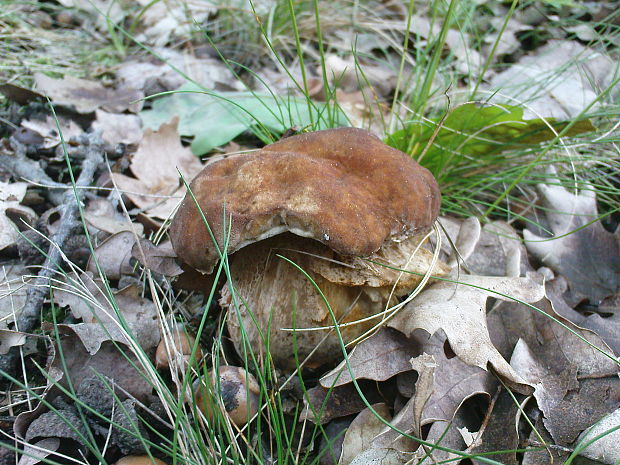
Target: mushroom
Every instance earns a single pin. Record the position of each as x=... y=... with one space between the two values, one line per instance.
x=139 y=460
x=339 y=203
x=180 y=349
x=238 y=390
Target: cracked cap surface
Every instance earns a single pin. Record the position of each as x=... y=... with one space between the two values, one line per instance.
x=343 y=187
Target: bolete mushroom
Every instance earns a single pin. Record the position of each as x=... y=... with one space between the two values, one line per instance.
x=180 y=347
x=139 y=460
x=338 y=203
x=238 y=390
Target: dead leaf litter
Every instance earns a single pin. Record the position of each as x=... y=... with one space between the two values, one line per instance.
x=511 y=345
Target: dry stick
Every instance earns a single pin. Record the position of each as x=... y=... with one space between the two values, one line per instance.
x=22 y=167
x=29 y=317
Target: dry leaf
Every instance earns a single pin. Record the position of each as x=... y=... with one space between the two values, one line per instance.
x=451 y=384
x=112 y=10
x=563 y=369
x=87 y=373
x=382 y=457
x=339 y=402
x=501 y=431
x=604 y=449
x=466 y=241
x=113 y=256
x=159 y=258
x=346 y=74
x=9 y=338
x=101 y=322
x=155 y=166
x=13 y=287
x=38 y=451
x=48 y=130
x=167 y=19
x=460 y=310
x=535 y=79
x=152 y=76
x=87 y=96
x=108 y=362
x=381 y=356
x=580 y=409
x=102 y=215
x=605 y=324
x=118 y=129
x=590 y=257
x=11 y=194
x=498 y=252
x=360 y=434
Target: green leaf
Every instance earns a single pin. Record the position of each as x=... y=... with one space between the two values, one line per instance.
x=470 y=131
x=216 y=119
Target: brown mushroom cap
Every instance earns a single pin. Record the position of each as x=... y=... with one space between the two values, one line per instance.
x=139 y=460
x=239 y=391
x=342 y=187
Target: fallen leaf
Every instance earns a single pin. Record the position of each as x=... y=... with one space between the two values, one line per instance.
x=563 y=369
x=80 y=364
x=580 y=409
x=501 y=431
x=11 y=194
x=65 y=423
x=360 y=434
x=9 y=338
x=101 y=380
x=13 y=287
x=505 y=34
x=550 y=387
x=471 y=129
x=557 y=80
x=346 y=74
x=381 y=457
x=39 y=451
x=118 y=129
x=156 y=187
x=90 y=303
x=112 y=11
x=467 y=58
x=18 y=94
x=102 y=214
x=215 y=120
x=603 y=449
x=466 y=241
x=48 y=130
x=441 y=395
x=589 y=257
x=159 y=258
x=498 y=252
x=87 y=96
x=460 y=310
x=113 y=256
x=605 y=324
x=444 y=434
x=167 y=19
x=381 y=356
x=541 y=455
x=338 y=402
x=163 y=74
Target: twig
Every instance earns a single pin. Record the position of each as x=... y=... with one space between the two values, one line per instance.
x=22 y=167
x=29 y=317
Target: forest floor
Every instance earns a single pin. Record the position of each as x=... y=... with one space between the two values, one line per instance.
x=494 y=338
